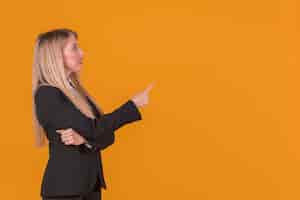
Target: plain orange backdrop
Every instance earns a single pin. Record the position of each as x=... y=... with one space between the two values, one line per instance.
x=223 y=117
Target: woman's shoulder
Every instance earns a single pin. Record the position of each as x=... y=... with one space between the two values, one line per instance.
x=47 y=87
x=47 y=93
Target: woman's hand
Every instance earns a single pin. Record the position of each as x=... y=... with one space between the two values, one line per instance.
x=141 y=98
x=70 y=136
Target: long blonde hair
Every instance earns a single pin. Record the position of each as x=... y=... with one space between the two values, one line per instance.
x=48 y=69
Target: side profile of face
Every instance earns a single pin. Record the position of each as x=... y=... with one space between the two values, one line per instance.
x=72 y=55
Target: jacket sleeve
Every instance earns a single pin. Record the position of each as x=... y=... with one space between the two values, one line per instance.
x=105 y=126
x=53 y=113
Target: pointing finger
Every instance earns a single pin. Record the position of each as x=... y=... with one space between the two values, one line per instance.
x=149 y=87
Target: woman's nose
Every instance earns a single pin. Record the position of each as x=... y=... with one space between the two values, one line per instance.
x=81 y=53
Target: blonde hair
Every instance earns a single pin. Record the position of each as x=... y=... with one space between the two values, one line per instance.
x=48 y=69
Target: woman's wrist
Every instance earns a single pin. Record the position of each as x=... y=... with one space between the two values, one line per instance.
x=135 y=102
x=88 y=145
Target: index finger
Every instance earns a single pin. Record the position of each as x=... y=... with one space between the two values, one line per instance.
x=149 y=87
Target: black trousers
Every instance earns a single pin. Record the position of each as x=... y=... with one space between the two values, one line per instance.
x=93 y=195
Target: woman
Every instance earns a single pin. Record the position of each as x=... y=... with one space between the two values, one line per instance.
x=65 y=114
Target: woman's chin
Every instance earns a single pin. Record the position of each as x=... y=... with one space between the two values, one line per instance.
x=78 y=68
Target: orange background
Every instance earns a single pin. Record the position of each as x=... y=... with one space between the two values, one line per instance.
x=223 y=117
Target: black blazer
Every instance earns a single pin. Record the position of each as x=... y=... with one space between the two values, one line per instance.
x=74 y=169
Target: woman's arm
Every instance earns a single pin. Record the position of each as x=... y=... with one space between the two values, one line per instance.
x=52 y=112
x=110 y=122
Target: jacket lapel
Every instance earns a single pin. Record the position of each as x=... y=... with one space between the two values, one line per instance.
x=94 y=108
